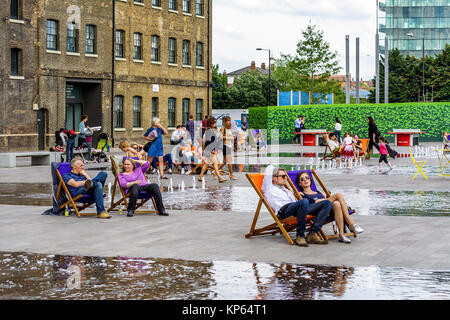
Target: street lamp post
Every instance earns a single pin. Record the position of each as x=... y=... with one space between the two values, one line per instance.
x=268 y=97
x=411 y=35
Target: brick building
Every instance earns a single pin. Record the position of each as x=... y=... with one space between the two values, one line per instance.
x=158 y=51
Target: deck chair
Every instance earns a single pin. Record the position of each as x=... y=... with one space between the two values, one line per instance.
x=417 y=165
x=292 y=175
x=279 y=226
x=144 y=197
x=364 y=146
x=328 y=154
x=63 y=197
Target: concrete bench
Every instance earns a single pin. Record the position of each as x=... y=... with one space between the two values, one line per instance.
x=38 y=158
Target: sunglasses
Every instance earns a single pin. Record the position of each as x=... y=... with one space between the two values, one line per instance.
x=281 y=175
x=305 y=178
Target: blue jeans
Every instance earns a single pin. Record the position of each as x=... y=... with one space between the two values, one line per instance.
x=167 y=157
x=299 y=210
x=69 y=149
x=97 y=190
x=321 y=210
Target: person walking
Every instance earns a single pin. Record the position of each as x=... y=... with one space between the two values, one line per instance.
x=228 y=140
x=156 y=150
x=297 y=128
x=82 y=127
x=338 y=129
x=211 y=149
x=374 y=135
x=383 y=154
x=190 y=127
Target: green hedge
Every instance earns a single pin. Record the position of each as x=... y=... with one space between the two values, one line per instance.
x=430 y=117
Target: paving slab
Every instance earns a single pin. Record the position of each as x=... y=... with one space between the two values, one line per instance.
x=413 y=242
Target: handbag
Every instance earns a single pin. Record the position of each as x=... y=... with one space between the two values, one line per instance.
x=147 y=145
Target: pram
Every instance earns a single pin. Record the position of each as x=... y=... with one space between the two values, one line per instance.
x=103 y=146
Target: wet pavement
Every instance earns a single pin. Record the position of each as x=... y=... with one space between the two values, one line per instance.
x=32 y=276
x=200 y=252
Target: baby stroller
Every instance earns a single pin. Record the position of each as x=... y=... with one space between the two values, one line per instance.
x=103 y=146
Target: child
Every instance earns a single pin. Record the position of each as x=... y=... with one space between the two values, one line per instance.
x=347 y=148
x=383 y=153
x=446 y=139
x=129 y=151
x=358 y=146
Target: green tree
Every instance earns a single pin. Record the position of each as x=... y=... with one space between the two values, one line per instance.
x=220 y=92
x=314 y=61
x=250 y=89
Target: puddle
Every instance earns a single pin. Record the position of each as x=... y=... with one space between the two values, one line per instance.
x=32 y=276
x=244 y=199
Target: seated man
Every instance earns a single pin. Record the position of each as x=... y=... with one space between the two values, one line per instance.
x=334 y=146
x=79 y=182
x=284 y=203
x=177 y=136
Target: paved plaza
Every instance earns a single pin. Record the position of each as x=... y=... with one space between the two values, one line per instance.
x=218 y=235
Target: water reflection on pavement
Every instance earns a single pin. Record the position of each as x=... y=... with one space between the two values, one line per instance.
x=31 y=276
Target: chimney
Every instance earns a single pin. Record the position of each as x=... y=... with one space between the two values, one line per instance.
x=263 y=66
x=253 y=67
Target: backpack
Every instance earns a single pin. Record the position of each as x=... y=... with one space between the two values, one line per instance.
x=70 y=134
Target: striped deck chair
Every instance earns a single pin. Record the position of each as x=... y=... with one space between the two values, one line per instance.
x=279 y=226
x=63 y=197
x=143 y=196
x=292 y=175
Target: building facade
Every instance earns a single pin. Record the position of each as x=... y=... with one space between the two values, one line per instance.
x=18 y=82
x=415 y=27
x=120 y=62
x=162 y=64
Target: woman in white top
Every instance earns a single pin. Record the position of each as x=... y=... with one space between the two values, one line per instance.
x=347 y=152
x=338 y=129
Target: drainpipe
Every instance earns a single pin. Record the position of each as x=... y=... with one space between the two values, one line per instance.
x=113 y=70
x=209 y=52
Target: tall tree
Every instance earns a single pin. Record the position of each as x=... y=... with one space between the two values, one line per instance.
x=314 y=61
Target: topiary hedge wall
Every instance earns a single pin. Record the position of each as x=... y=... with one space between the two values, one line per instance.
x=430 y=117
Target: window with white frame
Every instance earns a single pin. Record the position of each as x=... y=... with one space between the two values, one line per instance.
x=137 y=104
x=186 y=52
x=52 y=34
x=91 y=39
x=155 y=48
x=172 y=53
x=187 y=6
x=199 y=54
x=171 y=111
x=120 y=39
x=137 y=46
x=118 y=111
x=199 y=10
x=72 y=38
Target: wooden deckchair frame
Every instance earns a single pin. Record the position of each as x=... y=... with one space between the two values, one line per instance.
x=328 y=194
x=125 y=196
x=331 y=155
x=71 y=200
x=280 y=226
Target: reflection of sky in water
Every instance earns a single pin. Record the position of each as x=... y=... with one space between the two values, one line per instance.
x=31 y=276
x=366 y=202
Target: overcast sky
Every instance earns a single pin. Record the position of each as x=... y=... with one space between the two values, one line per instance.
x=241 y=26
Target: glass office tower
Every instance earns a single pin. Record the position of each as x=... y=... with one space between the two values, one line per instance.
x=407 y=22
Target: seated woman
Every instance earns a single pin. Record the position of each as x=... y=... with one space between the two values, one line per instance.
x=133 y=179
x=339 y=207
x=358 y=147
x=446 y=139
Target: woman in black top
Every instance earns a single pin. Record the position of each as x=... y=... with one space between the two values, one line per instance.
x=374 y=134
x=339 y=207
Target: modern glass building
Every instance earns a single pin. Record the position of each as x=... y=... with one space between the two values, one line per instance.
x=409 y=23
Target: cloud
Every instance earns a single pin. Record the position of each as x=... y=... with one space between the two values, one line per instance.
x=239 y=27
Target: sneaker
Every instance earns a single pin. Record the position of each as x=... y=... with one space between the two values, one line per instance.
x=182 y=170
x=313 y=238
x=169 y=171
x=87 y=184
x=344 y=239
x=103 y=215
x=188 y=172
x=154 y=171
x=300 y=241
x=130 y=213
x=356 y=229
